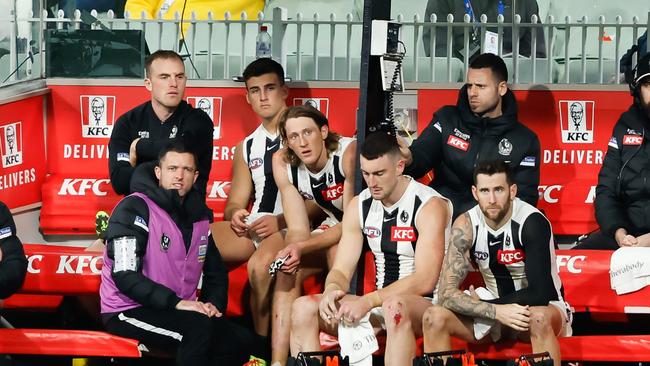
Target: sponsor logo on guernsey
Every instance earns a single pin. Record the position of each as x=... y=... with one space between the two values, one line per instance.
x=140 y=222
x=203 y=250
x=124 y=157
x=255 y=163
x=402 y=233
x=510 y=256
x=5 y=232
x=613 y=142
x=333 y=193
x=458 y=143
x=480 y=256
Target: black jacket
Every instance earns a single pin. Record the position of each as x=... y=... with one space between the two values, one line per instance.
x=441 y=8
x=456 y=139
x=123 y=223
x=13 y=265
x=623 y=191
x=190 y=124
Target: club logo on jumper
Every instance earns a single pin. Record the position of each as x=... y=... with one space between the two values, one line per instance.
x=457 y=143
x=12 y=144
x=97 y=115
x=212 y=107
x=404 y=216
x=505 y=147
x=322 y=104
x=164 y=242
x=510 y=256
x=577 y=121
x=333 y=193
x=371 y=232
x=402 y=233
x=632 y=140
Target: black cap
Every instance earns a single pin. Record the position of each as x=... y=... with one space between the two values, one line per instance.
x=643 y=68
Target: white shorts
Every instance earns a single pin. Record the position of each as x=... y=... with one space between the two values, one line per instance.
x=484 y=327
x=251 y=219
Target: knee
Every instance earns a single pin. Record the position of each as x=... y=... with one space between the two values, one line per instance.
x=258 y=267
x=540 y=323
x=435 y=319
x=304 y=311
x=395 y=313
x=200 y=330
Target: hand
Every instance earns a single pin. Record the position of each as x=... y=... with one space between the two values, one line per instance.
x=188 y=305
x=133 y=155
x=473 y=294
x=514 y=316
x=265 y=226
x=237 y=223
x=212 y=310
x=643 y=240
x=624 y=239
x=404 y=150
x=350 y=312
x=292 y=263
x=328 y=305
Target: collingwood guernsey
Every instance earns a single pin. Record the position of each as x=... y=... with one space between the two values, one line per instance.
x=258 y=149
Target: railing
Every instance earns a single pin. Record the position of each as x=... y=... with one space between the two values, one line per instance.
x=326 y=48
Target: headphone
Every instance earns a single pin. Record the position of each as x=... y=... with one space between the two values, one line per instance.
x=633 y=76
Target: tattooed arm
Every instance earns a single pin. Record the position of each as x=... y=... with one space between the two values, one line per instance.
x=455 y=270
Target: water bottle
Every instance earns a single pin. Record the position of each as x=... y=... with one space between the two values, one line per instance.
x=263 y=43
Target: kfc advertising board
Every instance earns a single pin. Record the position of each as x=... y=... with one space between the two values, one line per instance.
x=81 y=119
x=574 y=128
x=22 y=150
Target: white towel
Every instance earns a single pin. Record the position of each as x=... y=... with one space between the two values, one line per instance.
x=629 y=269
x=358 y=341
x=484 y=326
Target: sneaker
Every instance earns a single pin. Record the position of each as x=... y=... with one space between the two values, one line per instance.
x=254 y=361
x=101 y=224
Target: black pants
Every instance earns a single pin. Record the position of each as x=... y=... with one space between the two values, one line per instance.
x=197 y=339
x=597 y=240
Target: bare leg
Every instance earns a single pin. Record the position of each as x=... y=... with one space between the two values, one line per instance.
x=233 y=248
x=545 y=324
x=403 y=317
x=440 y=324
x=261 y=281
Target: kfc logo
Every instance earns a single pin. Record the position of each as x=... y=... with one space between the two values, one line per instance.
x=457 y=143
x=79 y=187
x=510 y=256
x=322 y=104
x=333 y=193
x=402 y=233
x=371 y=232
x=97 y=116
x=12 y=144
x=219 y=189
x=632 y=140
x=577 y=121
x=212 y=107
x=570 y=262
x=549 y=194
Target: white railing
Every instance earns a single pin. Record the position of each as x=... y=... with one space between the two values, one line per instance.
x=326 y=48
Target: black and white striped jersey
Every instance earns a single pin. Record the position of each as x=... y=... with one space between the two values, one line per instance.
x=258 y=149
x=390 y=232
x=325 y=187
x=517 y=261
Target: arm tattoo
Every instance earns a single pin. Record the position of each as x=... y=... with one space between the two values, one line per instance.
x=454 y=272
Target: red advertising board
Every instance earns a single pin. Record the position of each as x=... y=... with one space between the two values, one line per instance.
x=574 y=128
x=80 y=121
x=22 y=150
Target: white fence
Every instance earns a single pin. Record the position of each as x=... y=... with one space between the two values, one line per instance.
x=326 y=48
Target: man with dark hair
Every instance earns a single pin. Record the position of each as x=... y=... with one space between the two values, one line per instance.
x=139 y=134
x=158 y=245
x=13 y=265
x=255 y=236
x=481 y=126
x=475 y=8
x=315 y=168
x=406 y=225
x=622 y=197
x=511 y=244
